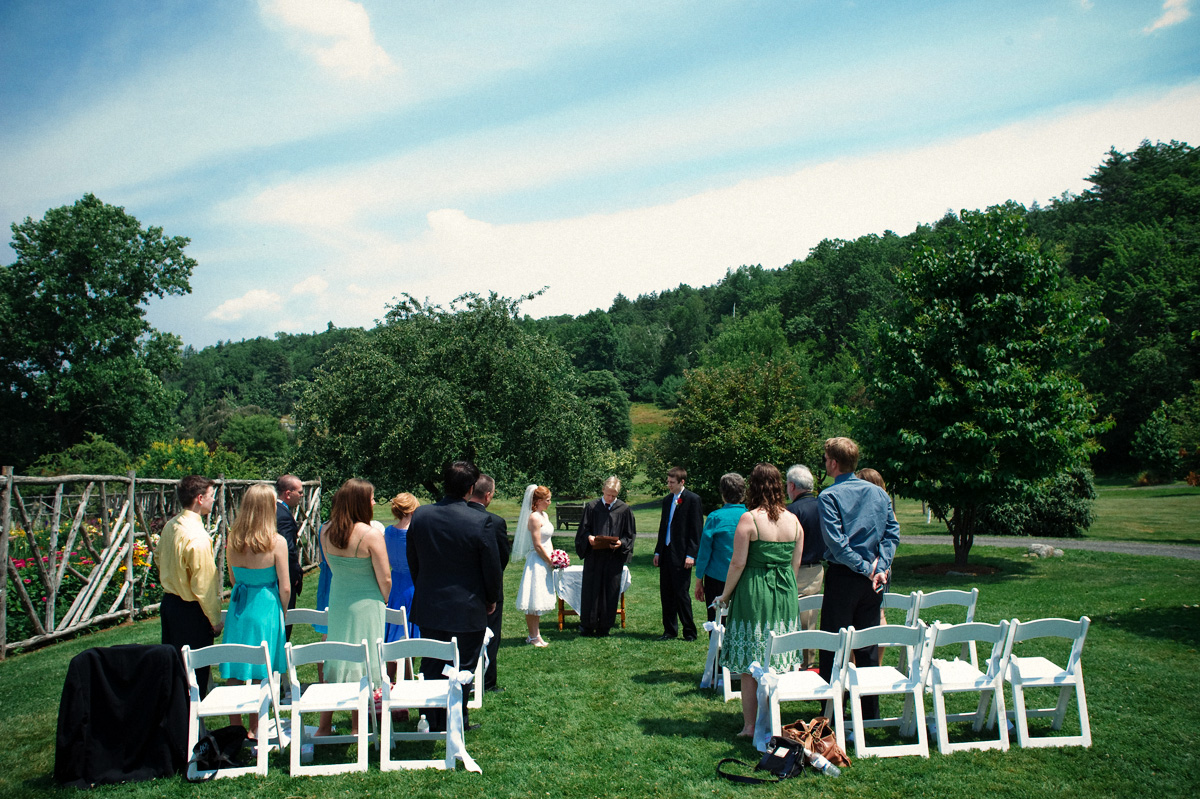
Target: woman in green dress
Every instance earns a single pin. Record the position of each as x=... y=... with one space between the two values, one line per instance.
x=760 y=588
x=362 y=581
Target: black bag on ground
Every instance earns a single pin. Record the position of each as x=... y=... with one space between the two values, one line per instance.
x=216 y=750
x=783 y=759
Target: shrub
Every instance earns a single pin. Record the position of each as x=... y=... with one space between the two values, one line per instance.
x=1060 y=506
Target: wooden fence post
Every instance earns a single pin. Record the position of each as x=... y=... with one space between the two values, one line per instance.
x=5 y=527
x=133 y=520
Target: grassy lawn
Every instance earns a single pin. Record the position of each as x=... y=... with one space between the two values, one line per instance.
x=623 y=716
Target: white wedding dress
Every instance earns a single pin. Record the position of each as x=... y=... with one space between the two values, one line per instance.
x=536 y=594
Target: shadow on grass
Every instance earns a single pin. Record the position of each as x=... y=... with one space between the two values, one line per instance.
x=716 y=726
x=1179 y=623
x=905 y=576
x=665 y=677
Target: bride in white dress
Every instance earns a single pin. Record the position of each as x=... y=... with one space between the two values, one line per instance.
x=532 y=540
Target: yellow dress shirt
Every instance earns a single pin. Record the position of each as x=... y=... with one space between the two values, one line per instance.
x=185 y=564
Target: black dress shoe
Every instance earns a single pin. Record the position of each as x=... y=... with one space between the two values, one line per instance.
x=471 y=727
x=665 y=637
x=689 y=638
x=495 y=689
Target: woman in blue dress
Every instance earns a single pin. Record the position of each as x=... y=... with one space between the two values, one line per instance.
x=258 y=570
x=396 y=538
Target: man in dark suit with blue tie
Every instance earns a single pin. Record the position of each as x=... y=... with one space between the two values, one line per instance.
x=288 y=493
x=456 y=575
x=675 y=554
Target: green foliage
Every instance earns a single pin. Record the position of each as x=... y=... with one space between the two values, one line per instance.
x=611 y=404
x=432 y=385
x=257 y=436
x=78 y=355
x=731 y=417
x=749 y=339
x=181 y=457
x=1060 y=506
x=1156 y=449
x=94 y=456
x=971 y=400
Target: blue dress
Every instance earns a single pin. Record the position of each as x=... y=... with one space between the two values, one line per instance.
x=255 y=615
x=323 y=580
x=402 y=582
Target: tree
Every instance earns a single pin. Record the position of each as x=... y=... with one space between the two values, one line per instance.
x=971 y=400
x=432 y=385
x=731 y=417
x=78 y=355
x=180 y=457
x=611 y=404
x=257 y=436
x=94 y=456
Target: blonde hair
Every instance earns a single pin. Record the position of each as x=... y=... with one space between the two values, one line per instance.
x=254 y=527
x=404 y=504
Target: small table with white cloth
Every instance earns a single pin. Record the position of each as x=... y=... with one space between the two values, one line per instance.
x=568 y=584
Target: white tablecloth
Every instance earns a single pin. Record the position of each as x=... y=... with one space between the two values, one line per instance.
x=568 y=583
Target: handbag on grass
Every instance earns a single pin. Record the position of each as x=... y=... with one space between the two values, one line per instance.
x=221 y=748
x=783 y=759
x=817 y=736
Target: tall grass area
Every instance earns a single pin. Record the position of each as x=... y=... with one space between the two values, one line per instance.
x=623 y=716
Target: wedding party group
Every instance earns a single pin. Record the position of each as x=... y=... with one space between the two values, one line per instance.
x=443 y=563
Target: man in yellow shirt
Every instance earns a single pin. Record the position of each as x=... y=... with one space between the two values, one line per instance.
x=191 y=606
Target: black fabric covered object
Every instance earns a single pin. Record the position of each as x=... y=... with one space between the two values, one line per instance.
x=123 y=716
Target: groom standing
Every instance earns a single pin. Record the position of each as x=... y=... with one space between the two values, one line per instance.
x=675 y=554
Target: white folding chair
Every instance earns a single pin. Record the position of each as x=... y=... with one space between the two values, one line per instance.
x=420 y=693
x=232 y=700
x=802 y=686
x=476 y=700
x=951 y=596
x=885 y=680
x=306 y=616
x=957 y=675
x=330 y=697
x=803 y=605
x=726 y=678
x=399 y=617
x=907 y=603
x=1039 y=672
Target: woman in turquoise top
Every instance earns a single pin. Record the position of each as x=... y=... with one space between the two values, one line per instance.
x=716 y=541
x=362 y=580
x=258 y=570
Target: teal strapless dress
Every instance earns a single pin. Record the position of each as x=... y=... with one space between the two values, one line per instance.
x=764 y=602
x=356 y=613
x=254 y=615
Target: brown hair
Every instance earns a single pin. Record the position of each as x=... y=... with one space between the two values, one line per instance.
x=191 y=487
x=678 y=473
x=766 y=491
x=872 y=476
x=404 y=504
x=253 y=528
x=844 y=451
x=540 y=493
x=351 y=504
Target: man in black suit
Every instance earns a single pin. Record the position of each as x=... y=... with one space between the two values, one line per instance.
x=610 y=520
x=675 y=554
x=288 y=493
x=456 y=575
x=481 y=497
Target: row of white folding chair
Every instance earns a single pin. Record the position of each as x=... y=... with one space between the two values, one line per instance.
x=917 y=601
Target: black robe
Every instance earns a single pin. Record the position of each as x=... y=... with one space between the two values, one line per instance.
x=601 y=591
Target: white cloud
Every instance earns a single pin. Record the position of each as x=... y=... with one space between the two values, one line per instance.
x=352 y=51
x=253 y=300
x=1173 y=12
x=314 y=284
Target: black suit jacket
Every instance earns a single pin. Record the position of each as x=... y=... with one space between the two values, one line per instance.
x=685 y=529
x=285 y=525
x=598 y=520
x=808 y=511
x=455 y=566
x=500 y=527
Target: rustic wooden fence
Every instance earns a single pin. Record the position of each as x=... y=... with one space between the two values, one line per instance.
x=111 y=524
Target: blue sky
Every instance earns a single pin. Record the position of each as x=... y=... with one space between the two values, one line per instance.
x=326 y=156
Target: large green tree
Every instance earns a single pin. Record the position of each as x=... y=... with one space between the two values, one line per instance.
x=431 y=385
x=78 y=355
x=972 y=402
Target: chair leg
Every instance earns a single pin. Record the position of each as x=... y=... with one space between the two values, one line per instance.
x=297 y=742
x=1020 y=714
x=1085 y=724
x=939 y=716
x=1060 y=710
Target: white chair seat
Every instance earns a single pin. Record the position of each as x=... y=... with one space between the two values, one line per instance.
x=878 y=679
x=1038 y=672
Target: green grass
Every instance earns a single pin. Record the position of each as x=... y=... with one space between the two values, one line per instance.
x=623 y=716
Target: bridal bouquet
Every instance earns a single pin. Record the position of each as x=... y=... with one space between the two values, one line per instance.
x=560 y=559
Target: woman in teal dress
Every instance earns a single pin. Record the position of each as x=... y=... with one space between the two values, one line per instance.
x=258 y=570
x=760 y=587
x=362 y=580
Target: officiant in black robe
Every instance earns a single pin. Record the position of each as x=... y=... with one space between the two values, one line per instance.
x=604 y=541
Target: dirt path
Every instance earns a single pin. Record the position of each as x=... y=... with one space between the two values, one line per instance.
x=1184 y=551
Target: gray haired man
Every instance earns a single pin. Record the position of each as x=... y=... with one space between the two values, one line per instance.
x=810 y=577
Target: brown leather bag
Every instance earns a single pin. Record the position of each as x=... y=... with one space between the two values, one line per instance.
x=817 y=736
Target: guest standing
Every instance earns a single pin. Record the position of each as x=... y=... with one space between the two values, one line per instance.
x=675 y=554
x=534 y=530
x=810 y=577
x=716 y=541
x=456 y=574
x=611 y=521
x=290 y=491
x=761 y=585
x=191 y=606
x=861 y=535
x=481 y=497
x=395 y=537
x=257 y=559
x=362 y=581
